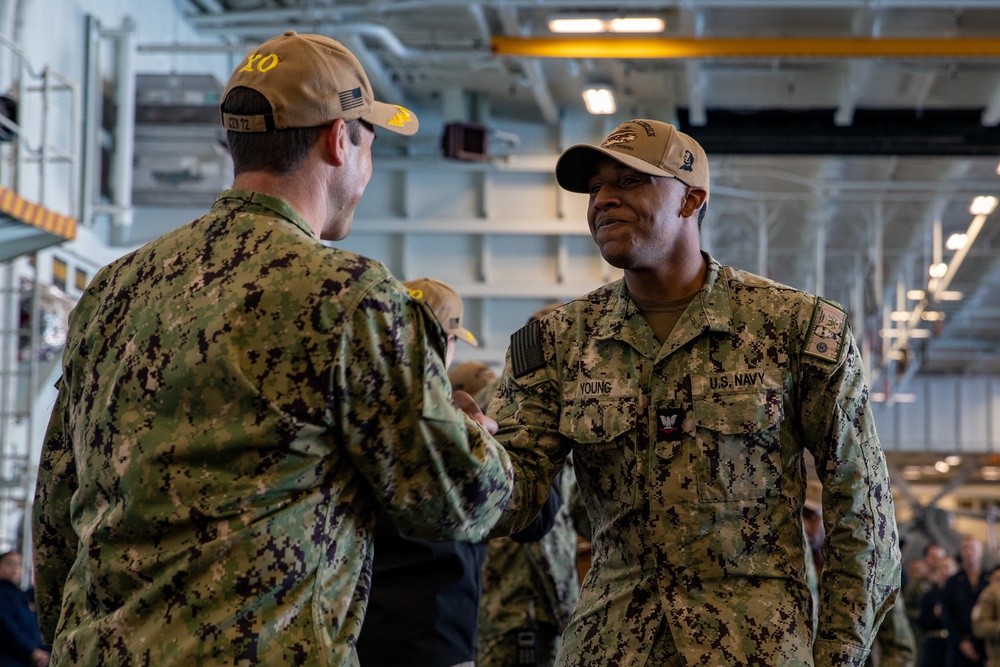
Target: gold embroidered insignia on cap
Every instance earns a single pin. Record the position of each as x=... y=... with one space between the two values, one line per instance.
x=401 y=117
x=826 y=331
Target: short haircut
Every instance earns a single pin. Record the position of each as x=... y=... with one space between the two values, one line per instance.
x=275 y=151
x=929 y=546
x=6 y=554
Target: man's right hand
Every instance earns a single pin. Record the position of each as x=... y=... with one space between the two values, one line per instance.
x=464 y=402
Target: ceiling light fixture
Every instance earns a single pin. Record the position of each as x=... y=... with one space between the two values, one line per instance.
x=600 y=99
x=983 y=205
x=576 y=25
x=637 y=24
x=937 y=270
x=591 y=25
x=956 y=241
x=915 y=294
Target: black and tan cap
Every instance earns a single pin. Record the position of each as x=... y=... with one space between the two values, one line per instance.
x=310 y=80
x=649 y=146
x=446 y=304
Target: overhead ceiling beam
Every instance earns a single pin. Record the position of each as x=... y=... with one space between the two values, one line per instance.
x=814 y=132
x=746 y=47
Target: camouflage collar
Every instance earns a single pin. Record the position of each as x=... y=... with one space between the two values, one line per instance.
x=714 y=299
x=711 y=309
x=258 y=200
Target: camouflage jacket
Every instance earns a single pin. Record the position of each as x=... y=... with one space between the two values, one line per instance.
x=237 y=400
x=986 y=622
x=689 y=457
x=531 y=581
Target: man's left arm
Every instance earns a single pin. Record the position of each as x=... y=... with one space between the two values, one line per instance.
x=54 y=540
x=861 y=576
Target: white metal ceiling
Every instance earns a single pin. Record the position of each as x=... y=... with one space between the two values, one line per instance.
x=858 y=228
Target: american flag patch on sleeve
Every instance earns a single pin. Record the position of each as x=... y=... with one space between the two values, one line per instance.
x=526 y=349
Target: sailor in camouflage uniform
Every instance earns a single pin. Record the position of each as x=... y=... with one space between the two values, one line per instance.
x=530 y=589
x=687 y=394
x=238 y=399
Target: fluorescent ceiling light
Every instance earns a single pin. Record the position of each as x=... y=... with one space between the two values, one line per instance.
x=578 y=25
x=950 y=295
x=600 y=99
x=590 y=25
x=915 y=294
x=637 y=24
x=983 y=205
x=956 y=241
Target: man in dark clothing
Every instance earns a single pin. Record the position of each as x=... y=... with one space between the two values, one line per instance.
x=424 y=603
x=20 y=639
x=958 y=599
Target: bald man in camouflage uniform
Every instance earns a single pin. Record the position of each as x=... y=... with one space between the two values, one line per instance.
x=238 y=399
x=688 y=393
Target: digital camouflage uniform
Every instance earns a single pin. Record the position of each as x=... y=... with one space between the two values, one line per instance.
x=530 y=587
x=689 y=457
x=237 y=400
x=986 y=621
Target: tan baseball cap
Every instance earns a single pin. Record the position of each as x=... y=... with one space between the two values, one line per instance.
x=446 y=304
x=310 y=80
x=471 y=376
x=543 y=311
x=649 y=146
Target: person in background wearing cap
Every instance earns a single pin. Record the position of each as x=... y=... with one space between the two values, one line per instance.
x=425 y=593
x=688 y=393
x=530 y=589
x=476 y=379
x=238 y=400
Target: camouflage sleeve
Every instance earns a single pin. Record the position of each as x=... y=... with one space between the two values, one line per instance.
x=526 y=406
x=862 y=571
x=54 y=541
x=986 y=615
x=577 y=510
x=433 y=469
x=895 y=639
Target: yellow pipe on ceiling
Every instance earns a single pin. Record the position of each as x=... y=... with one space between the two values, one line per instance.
x=747 y=47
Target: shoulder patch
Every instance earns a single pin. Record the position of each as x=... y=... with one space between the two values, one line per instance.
x=826 y=331
x=526 y=349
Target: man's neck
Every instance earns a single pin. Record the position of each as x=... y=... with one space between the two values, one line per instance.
x=675 y=280
x=297 y=189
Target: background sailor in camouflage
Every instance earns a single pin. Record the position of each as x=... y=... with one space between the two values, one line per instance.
x=530 y=589
x=688 y=393
x=237 y=400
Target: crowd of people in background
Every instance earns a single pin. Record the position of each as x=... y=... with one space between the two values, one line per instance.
x=952 y=603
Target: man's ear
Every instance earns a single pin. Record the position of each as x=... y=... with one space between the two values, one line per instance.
x=336 y=139
x=693 y=200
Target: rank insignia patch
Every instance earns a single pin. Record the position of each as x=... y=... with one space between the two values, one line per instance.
x=826 y=331
x=669 y=424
